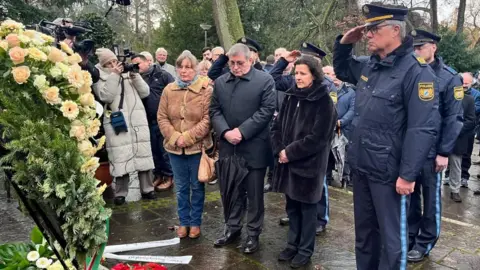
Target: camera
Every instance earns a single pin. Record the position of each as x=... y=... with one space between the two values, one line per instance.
x=127 y=67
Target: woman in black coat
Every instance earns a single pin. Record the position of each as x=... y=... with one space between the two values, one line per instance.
x=301 y=139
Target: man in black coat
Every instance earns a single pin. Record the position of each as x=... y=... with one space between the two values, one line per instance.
x=241 y=109
x=156 y=78
x=461 y=147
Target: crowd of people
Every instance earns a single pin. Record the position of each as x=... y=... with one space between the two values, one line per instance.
x=407 y=117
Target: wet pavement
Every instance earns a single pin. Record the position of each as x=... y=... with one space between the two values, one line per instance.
x=457 y=248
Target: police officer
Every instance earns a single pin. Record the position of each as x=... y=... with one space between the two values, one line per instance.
x=424 y=230
x=394 y=127
x=220 y=66
x=282 y=84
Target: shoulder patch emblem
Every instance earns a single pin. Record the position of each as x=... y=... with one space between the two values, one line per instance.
x=426 y=91
x=334 y=97
x=458 y=92
x=420 y=60
x=365 y=79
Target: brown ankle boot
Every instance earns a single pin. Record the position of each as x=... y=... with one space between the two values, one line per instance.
x=194 y=232
x=182 y=232
x=166 y=185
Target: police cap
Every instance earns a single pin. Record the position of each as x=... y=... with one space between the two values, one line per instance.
x=252 y=44
x=308 y=48
x=421 y=37
x=377 y=14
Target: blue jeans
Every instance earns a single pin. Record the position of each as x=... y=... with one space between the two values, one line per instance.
x=185 y=171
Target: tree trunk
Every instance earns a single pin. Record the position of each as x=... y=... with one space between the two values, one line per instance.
x=148 y=23
x=227 y=21
x=461 y=16
x=137 y=16
x=434 y=15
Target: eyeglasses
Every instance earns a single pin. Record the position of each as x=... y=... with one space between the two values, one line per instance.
x=237 y=63
x=375 y=28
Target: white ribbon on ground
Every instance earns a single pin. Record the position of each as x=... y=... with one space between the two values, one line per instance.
x=144 y=245
x=154 y=259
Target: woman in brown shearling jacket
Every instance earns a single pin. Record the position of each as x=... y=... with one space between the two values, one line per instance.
x=185 y=124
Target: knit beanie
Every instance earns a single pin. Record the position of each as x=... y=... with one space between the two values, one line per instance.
x=105 y=55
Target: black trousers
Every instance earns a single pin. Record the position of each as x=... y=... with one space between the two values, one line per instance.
x=467 y=158
x=250 y=201
x=381 y=228
x=323 y=207
x=424 y=229
x=160 y=156
x=301 y=232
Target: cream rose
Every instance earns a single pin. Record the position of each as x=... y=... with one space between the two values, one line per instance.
x=85 y=89
x=4 y=45
x=52 y=95
x=24 y=39
x=41 y=82
x=11 y=25
x=77 y=130
x=86 y=148
x=36 y=54
x=56 y=55
x=47 y=38
x=93 y=127
x=90 y=166
x=21 y=74
x=87 y=100
x=30 y=33
x=56 y=72
x=13 y=40
x=87 y=78
x=66 y=48
x=74 y=59
x=17 y=55
x=70 y=109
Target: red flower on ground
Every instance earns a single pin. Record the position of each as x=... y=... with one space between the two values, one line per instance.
x=154 y=266
x=121 y=266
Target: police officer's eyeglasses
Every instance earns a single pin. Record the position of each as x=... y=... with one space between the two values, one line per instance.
x=237 y=63
x=375 y=28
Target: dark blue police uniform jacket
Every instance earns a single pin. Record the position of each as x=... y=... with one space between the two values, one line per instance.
x=450 y=108
x=396 y=111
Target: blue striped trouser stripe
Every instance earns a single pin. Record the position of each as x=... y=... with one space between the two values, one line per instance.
x=325 y=190
x=403 y=232
x=438 y=211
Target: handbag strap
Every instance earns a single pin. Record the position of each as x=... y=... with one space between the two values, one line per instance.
x=122 y=95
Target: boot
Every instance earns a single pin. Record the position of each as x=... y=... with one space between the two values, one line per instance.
x=455 y=197
x=166 y=185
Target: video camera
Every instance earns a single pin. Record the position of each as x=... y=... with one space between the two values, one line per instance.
x=62 y=28
x=127 y=67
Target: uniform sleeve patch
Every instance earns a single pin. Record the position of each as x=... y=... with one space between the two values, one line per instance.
x=334 y=97
x=458 y=92
x=426 y=91
x=421 y=60
x=365 y=79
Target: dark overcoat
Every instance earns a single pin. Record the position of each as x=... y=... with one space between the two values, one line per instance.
x=246 y=103
x=468 y=129
x=304 y=128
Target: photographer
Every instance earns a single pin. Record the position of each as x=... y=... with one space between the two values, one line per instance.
x=126 y=127
x=156 y=78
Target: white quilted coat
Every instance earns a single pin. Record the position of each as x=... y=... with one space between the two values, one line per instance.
x=128 y=151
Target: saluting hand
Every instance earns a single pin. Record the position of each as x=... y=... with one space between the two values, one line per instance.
x=291 y=56
x=353 y=35
x=404 y=187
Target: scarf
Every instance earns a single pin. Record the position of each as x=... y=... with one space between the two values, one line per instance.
x=183 y=84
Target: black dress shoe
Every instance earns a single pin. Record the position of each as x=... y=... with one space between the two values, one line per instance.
x=287 y=254
x=415 y=256
x=119 y=200
x=284 y=221
x=228 y=238
x=149 y=196
x=252 y=245
x=455 y=197
x=299 y=260
x=476 y=192
x=320 y=229
x=267 y=188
